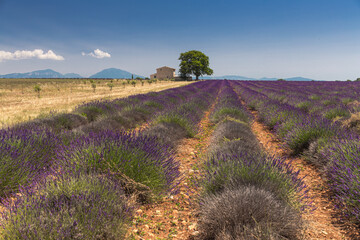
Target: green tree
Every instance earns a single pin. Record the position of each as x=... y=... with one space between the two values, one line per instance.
x=37 y=89
x=93 y=85
x=110 y=85
x=194 y=62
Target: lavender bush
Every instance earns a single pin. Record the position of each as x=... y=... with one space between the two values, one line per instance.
x=247 y=212
x=75 y=206
x=255 y=170
x=343 y=174
x=25 y=156
x=138 y=156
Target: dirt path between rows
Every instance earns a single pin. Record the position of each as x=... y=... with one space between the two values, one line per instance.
x=320 y=223
x=174 y=217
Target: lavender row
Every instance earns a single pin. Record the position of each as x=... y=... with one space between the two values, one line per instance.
x=332 y=100
x=118 y=114
x=140 y=111
x=333 y=148
x=229 y=106
x=245 y=193
x=182 y=120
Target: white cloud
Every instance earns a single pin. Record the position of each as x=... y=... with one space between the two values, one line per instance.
x=97 y=53
x=25 y=54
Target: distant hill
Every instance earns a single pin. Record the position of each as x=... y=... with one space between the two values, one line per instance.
x=299 y=79
x=268 y=79
x=47 y=73
x=236 y=77
x=114 y=73
x=72 y=75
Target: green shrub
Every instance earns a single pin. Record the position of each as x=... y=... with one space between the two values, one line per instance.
x=93 y=85
x=37 y=89
x=110 y=85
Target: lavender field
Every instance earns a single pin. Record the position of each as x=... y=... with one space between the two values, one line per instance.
x=87 y=173
x=319 y=121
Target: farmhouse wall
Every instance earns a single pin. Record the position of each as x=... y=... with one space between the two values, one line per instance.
x=163 y=73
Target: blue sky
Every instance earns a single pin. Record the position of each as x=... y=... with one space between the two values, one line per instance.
x=255 y=38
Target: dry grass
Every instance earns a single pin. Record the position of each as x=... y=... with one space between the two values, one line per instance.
x=19 y=102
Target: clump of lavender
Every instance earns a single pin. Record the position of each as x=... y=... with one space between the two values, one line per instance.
x=140 y=157
x=337 y=112
x=307 y=131
x=255 y=170
x=25 y=156
x=247 y=212
x=343 y=173
x=74 y=206
x=232 y=137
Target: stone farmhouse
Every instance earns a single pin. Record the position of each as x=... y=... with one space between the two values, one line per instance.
x=163 y=73
x=167 y=73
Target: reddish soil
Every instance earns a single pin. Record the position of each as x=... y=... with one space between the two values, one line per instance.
x=320 y=223
x=174 y=216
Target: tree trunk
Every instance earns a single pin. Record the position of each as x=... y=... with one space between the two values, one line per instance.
x=197 y=77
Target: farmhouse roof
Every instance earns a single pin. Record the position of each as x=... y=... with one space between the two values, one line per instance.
x=166 y=67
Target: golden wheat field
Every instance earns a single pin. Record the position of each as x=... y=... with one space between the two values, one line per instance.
x=20 y=102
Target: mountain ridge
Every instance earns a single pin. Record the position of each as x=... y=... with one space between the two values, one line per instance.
x=46 y=73
x=114 y=73
x=49 y=73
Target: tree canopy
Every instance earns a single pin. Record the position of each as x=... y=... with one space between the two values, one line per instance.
x=194 y=62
